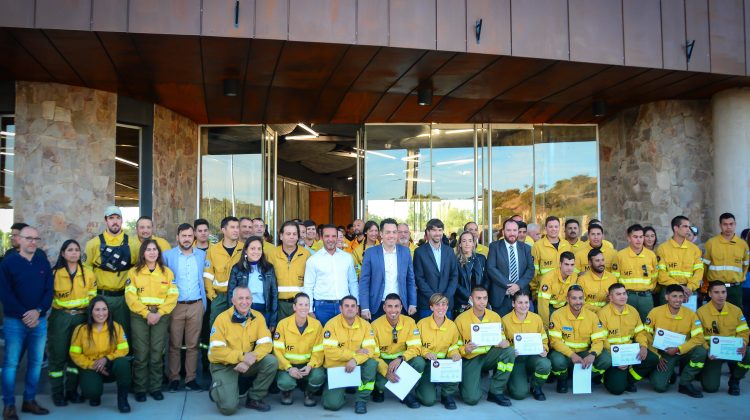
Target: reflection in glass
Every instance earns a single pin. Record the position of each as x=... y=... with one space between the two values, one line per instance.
x=7 y=168
x=512 y=169
x=453 y=175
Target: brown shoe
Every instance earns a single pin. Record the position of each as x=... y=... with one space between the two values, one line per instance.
x=33 y=407
x=259 y=405
x=9 y=413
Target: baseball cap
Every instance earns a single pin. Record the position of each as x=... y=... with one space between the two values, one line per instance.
x=112 y=210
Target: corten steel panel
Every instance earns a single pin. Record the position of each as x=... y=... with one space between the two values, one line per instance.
x=17 y=13
x=342 y=210
x=385 y=69
x=642 y=29
x=37 y=44
x=454 y=110
x=384 y=107
x=540 y=29
x=180 y=17
x=128 y=63
x=23 y=63
x=595 y=84
x=218 y=18
x=354 y=107
x=183 y=98
x=451 y=25
x=271 y=19
x=427 y=65
x=109 y=15
x=696 y=28
x=539 y=112
x=633 y=95
x=223 y=58
x=323 y=21
x=307 y=66
x=173 y=59
x=286 y=104
x=554 y=79
x=708 y=90
x=372 y=22
x=596 y=31
x=461 y=69
x=86 y=55
x=412 y=24
x=727 y=32
x=501 y=111
x=63 y=14
x=684 y=87
x=495 y=34
x=320 y=206
x=499 y=77
x=673 y=34
x=262 y=59
x=630 y=85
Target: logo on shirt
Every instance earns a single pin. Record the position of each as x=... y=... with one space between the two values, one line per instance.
x=207 y=264
x=213 y=330
x=544 y=288
x=416 y=331
x=127 y=282
x=551 y=325
x=614 y=267
x=568 y=329
x=276 y=336
x=648 y=320
x=372 y=333
x=698 y=322
x=83 y=257
x=600 y=324
x=327 y=334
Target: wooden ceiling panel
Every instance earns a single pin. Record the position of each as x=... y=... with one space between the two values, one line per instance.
x=386 y=68
x=85 y=54
x=183 y=98
x=254 y=104
x=499 y=77
x=461 y=69
x=455 y=110
x=355 y=106
x=170 y=59
x=279 y=109
x=385 y=107
x=501 y=110
x=303 y=66
x=556 y=78
x=36 y=43
x=223 y=59
x=593 y=85
x=22 y=63
x=132 y=79
x=259 y=73
x=540 y=112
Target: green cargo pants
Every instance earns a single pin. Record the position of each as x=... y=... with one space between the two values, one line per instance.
x=119 y=312
x=285 y=309
x=148 y=343
x=695 y=359
x=711 y=374
x=499 y=360
x=561 y=364
x=426 y=391
x=225 y=390
x=313 y=381
x=616 y=379
x=417 y=363
x=219 y=305
x=524 y=367
x=334 y=399
x=734 y=295
x=643 y=304
x=92 y=381
x=63 y=373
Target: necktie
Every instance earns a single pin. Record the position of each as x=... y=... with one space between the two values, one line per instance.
x=513 y=265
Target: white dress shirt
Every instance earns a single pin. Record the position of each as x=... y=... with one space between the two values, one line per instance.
x=391 y=272
x=330 y=277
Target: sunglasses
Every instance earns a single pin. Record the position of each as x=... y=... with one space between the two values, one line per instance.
x=395 y=335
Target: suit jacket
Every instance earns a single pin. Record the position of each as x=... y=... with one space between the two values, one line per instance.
x=429 y=280
x=497 y=272
x=470 y=275
x=372 y=278
x=171 y=258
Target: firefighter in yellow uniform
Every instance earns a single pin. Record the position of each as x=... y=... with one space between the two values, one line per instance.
x=288 y=260
x=596 y=238
x=679 y=259
x=547 y=251
x=399 y=341
x=74 y=286
x=576 y=337
x=241 y=346
x=144 y=228
x=220 y=258
x=596 y=281
x=624 y=326
x=349 y=341
x=298 y=347
x=553 y=286
x=727 y=258
x=440 y=340
x=151 y=294
x=636 y=268
x=680 y=320
x=721 y=318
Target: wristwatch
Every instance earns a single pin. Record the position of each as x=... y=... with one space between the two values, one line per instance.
x=593 y=353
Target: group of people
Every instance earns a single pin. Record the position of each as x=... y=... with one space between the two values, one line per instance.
x=283 y=316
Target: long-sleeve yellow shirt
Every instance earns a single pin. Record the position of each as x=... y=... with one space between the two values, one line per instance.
x=573 y=334
x=145 y=288
x=230 y=339
x=292 y=348
x=84 y=351
x=76 y=292
x=685 y=322
x=341 y=341
x=442 y=341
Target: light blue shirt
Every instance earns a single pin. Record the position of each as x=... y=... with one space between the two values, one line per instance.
x=255 y=284
x=185 y=277
x=437 y=253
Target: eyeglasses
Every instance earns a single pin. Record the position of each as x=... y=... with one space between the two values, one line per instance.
x=31 y=238
x=395 y=335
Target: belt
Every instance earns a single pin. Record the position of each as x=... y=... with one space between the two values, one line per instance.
x=640 y=293
x=326 y=301
x=188 y=302
x=111 y=292
x=75 y=311
x=291 y=300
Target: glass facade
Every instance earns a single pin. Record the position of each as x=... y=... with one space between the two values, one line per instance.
x=7 y=168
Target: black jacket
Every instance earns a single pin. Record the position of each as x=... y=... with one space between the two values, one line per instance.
x=239 y=277
x=470 y=275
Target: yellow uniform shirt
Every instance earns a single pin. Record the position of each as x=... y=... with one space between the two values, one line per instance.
x=442 y=341
x=729 y=322
x=569 y=334
x=317 y=245
x=596 y=289
x=582 y=258
x=358 y=254
x=73 y=293
x=605 y=244
x=576 y=246
x=109 y=280
x=407 y=344
x=292 y=348
x=636 y=271
x=726 y=261
x=218 y=267
x=623 y=327
x=268 y=249
x=532 y=324
x=156 y=289
x=546 y=259
x=481 y=249
x=84 y=351
x=553 y=291
x=341 y=341
x=230 y=340
x=290 y=272
x=680 y=264
x=528 y=240
x=463 y=323
x=686 y=322
x=160 y=242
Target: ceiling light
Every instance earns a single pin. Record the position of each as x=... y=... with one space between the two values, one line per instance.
x=7 y=133
x=125 y=161
x=349 y=178
x=301 y=137
x=424 y=94
x=599 y=108
x=463 y=130
x=231 y=87
x=308 y=129
x=372 y=152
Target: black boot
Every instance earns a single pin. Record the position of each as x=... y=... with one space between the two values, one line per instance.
x=122 y=401
x=73 y=397
x=58 y=399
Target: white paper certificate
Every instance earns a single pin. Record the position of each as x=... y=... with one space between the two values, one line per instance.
x=528 y=344
x=726 y=347
x=625 y=354
x=581 y=379
x=664 y=339
x=338 y=378
x=407 y=378
x=489 y=334
x=445 y=370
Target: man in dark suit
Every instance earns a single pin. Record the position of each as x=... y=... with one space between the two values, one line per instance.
x=386 y=268
x=435 y=269
x=510 y=268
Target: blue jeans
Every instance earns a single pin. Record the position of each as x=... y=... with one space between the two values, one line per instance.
x=324 y=311
x=17 y=339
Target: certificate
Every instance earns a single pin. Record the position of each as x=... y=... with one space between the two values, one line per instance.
x=664 y=339
x=528 y=344
x=407 y=378
x=338 y=378
x=692 y=302
x=726 y=347
x=489 y=334
x=581 y=379
x=625 y=354
x=445 y=370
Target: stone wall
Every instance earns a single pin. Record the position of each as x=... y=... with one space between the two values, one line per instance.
x=64 y=160
x=175 y=172
x=656 y=163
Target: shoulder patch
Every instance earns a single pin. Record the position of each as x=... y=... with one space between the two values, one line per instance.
x=648 y=320
x=327 y=334
x=416 y=331
x=599 y=325
x=124 y=337
x=551 y=325
x=83 y=257
x=698 y=322
x=213 y=330
x=372 y=333
x=614 y=267
x=276 y=336
x=545 y=288
x=742 y=318
x=207 y=264
x=127 y=282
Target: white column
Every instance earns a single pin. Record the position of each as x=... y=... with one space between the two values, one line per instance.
x=731 y=136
